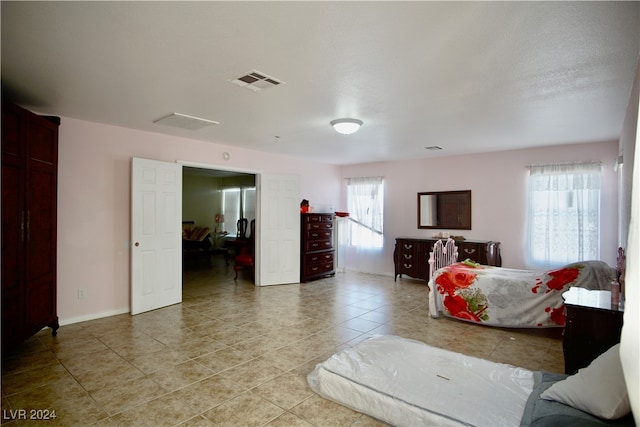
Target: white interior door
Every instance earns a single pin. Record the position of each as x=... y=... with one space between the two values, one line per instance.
x=278 y=229
x=156 y=234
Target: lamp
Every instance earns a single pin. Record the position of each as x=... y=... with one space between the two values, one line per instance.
x=219 y=218
x=346 y=126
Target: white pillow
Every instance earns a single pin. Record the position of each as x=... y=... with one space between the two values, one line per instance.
x=598 y=389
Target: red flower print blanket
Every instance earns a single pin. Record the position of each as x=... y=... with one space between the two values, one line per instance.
x=508 y=297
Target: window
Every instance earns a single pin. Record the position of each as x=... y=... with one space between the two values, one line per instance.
x=238 y=203
x=564 y=213
x=365 y=205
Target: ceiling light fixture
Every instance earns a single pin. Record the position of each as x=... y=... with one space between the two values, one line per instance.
x=346 y=126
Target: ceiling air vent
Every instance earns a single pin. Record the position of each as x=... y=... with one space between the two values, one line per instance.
x=256 y=81
x=433 y=148
x=185 y=122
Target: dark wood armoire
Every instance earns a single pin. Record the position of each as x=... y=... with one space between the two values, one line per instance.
x=29 y=224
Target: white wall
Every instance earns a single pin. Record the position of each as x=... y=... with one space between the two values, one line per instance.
x=94 y=227
x=630 y=339
x=201 y=200
x=627 y=148
x=498 y=182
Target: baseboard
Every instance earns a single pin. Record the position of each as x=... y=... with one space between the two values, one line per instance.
x=93 y=316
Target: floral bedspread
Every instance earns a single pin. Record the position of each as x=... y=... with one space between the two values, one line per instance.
x=508 y=297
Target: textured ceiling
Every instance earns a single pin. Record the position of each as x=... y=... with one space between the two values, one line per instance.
x=466 y=76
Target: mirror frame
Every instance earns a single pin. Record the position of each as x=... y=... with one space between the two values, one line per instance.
x=465 y=212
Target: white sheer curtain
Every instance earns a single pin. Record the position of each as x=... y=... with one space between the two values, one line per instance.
x=365 y=205
x=230 y=209
x=249 y=203
x=564 y=213
x=238 y=203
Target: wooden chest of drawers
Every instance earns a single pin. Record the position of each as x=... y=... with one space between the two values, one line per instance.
x=316 y=251
x=411 y=256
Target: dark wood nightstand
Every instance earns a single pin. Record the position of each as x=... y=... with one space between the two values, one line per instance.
x=592 y=327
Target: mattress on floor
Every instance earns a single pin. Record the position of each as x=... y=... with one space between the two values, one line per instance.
x=408 y=383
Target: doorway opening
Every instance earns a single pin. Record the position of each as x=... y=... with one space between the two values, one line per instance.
x=217 y=207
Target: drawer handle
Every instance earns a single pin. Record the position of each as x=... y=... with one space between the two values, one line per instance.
x=314 y=268
x=408 y=265
x=470 y=251
x=315 y=258
x=408 y=256
x=314 y=234
x=407 y=246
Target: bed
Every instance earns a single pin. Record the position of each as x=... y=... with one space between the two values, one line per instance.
x=508 y=297
x=195 y=239
x=408 y=383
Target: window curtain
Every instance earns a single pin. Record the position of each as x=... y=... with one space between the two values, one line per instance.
x=249 y=203
x=365 y=205
x=238 y=203
x=564 y=213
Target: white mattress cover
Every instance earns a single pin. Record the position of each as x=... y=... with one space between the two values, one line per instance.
x=408 y=383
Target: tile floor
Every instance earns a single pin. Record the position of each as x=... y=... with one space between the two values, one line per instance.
x=233 y=354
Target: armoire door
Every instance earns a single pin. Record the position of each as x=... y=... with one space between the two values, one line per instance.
x=41 y=222
x=13 y=189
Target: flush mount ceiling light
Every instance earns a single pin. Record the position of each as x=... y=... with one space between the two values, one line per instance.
x=346 y=126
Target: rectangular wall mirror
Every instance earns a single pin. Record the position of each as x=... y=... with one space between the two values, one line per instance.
x=445 y=209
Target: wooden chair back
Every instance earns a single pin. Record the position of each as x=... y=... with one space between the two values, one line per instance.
x=242 y=228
